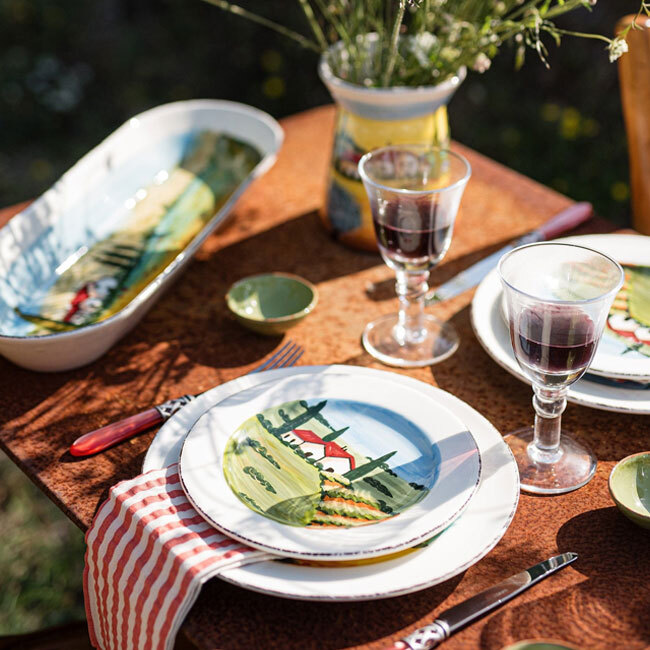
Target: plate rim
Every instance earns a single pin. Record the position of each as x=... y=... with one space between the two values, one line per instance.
x=317 y=591
x=333 y=539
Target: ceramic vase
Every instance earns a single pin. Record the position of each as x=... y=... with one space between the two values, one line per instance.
x=368 y=118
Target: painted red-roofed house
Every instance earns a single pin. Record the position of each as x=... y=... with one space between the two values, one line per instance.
x=331 y=455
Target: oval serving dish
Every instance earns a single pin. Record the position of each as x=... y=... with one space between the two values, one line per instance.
x=82 y=264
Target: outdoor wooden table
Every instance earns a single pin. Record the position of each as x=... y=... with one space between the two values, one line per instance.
x=188 y=343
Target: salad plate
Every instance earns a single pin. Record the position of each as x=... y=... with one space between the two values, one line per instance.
x=84 y=262
x=319 y=467
x=597 y=392
x=478 y=529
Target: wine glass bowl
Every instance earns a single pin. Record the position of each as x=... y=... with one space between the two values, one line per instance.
x=414 y=193
x=558 y=297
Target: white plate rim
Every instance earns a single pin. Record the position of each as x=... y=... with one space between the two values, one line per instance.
x=204 y=484
x=360 y=585
x=492 y=334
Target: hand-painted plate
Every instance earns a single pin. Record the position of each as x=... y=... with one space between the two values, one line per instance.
x=471 y=537
x=593 y=391
x=319 y=467
x=624 y=350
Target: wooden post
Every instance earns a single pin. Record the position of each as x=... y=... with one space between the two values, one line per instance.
x=634 y=73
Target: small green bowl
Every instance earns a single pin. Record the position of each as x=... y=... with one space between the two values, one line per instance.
x=541 y=644
x=271 y=303
x=629 y=485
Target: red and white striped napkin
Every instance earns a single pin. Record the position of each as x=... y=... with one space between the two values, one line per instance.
x=149 y=552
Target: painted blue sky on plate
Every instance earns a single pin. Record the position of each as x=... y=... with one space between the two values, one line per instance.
x=375 y=431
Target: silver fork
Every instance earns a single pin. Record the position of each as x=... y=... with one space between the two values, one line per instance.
x=100 y=439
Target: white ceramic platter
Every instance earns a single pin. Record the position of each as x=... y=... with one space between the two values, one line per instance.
x=471 y=537
x=325 y=467
x=159 y=158
x=491 y=331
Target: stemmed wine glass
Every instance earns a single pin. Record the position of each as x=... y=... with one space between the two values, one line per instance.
x=414 y=193
x=557 y=300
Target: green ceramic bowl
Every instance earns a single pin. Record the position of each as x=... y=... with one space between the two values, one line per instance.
x=629 y=485
x=541 y=645
x=271 y=303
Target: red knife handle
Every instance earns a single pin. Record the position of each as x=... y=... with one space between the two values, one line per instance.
x=566 y=220
x=111 y=434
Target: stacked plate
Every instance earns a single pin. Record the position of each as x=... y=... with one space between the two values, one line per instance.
x=373 y=483
x=619 y=376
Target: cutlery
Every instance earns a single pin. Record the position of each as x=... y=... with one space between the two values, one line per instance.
x=566 y=220
x=111 y=434
x=477 y=606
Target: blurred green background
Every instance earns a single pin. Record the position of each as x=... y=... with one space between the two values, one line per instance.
x=72 y=71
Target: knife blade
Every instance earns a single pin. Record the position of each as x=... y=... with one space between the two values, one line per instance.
x=469 y=610
x=566 y=220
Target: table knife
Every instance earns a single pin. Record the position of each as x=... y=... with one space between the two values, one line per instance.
x=473 y=608
x=566 y=220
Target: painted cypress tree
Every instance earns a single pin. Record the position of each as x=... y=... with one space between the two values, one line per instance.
x=335 y=434
x=366 y=468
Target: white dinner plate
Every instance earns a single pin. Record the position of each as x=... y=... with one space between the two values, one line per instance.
x=471 y=537
x=325 y=467
x=492 y=332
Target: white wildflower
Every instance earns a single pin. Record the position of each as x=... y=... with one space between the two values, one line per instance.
x=617 y=48
x=421 y=46
x=481 y=63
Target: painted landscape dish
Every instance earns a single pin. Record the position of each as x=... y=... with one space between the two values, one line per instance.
x=83 y=263
x=330 y=484
x=491 y=330
x=624 y=350
x=319 y=467
x=472 y=535
x=135 y=243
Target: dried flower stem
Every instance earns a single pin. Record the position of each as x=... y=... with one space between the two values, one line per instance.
x=394 y=39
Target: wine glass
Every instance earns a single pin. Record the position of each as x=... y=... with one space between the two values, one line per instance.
x=557 y=300
x=414 y=193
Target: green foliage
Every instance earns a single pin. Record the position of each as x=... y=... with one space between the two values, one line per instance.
x=262 y=451
x=41 y=557
x=379 y=486
x=259 y=477
x=423 y=42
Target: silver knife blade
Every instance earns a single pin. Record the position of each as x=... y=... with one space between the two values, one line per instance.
x=565 y=220
x=473 y=608
x=471 y=276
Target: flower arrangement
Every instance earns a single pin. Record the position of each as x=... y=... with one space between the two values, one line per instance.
x=423 y=42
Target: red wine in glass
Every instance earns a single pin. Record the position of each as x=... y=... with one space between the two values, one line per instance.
x=412 y=234
x=556 y=343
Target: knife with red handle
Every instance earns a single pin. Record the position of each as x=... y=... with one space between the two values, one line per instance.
x=111 y=434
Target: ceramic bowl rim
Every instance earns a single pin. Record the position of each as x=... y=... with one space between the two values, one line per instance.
x=617 y=500
x=154 y=285
x=276 y=319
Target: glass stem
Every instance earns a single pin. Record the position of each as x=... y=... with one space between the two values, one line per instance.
x=549 y=405
x=411 y=287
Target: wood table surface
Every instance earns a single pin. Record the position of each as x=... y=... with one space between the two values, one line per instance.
x=188 y=343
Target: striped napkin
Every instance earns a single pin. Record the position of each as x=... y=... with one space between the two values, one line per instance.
x=148 y=554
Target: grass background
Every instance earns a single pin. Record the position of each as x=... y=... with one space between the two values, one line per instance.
x=72 y=71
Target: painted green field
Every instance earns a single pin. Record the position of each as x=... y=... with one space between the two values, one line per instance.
x=274 y=478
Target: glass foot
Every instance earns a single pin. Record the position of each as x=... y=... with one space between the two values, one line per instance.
x=436 y=342
x=574 y=466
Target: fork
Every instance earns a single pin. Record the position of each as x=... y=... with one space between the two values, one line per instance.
x=100 y=439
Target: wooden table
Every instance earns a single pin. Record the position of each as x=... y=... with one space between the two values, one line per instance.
x=188 y=343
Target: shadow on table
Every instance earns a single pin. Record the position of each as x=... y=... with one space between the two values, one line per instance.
x=607 y=607
x=268 y=622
